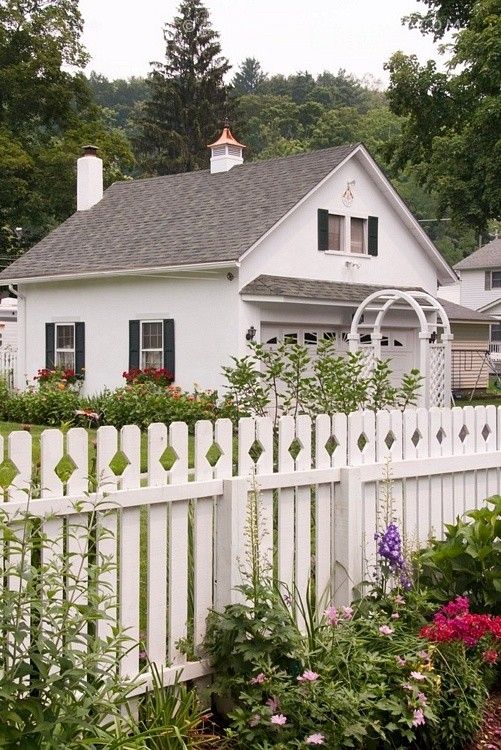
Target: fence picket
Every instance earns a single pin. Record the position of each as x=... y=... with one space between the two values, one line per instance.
x=178 y=548
x=303 y=511
x=323 y=513
x=203 y=531
x=264 y=465
x=286 y=511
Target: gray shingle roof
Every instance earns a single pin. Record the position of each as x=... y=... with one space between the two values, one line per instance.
x=339 y=291
x=181 y=219
x=461 y=313
x=333 y=291
x=488 y=256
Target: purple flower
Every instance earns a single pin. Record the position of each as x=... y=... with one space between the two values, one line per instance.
x=389 y=549
x=418 y=718
x=401 y=662
x=331 y=615
x=308 y=676
x=272 y=704
x=315 y=739
x=279 y=720
x=347 y=613
x=422 y=699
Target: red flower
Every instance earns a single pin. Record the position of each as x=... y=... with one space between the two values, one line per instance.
x=454 y=622
x=490 y=656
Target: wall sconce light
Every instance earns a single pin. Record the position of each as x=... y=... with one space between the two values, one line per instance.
x=250 y=334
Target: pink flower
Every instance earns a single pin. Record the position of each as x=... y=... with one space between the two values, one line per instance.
x=424 y=655
x=417 y=676
x=347 y=613
x=308 y=676
x=401 y=662
x=418 y=718
x=315 y=739
x=331 y=615
x=386 y=630
x=258 y=679
x=422 y=699
x=395 y=616
x=490 y=656
x=272 y=704
x=399 y=599
x=406 y=686
x=279 y=720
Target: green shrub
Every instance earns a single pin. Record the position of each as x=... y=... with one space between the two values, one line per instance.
x=468 y=561
x=48 y=405
x=4 y=397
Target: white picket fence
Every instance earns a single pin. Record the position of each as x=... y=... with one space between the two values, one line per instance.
x=319 y=492
x=8 y=363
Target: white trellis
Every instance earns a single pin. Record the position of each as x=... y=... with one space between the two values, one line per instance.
x=434 y=335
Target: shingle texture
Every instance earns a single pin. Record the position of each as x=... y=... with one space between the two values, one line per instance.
x=333 y=291
x=196 y=217
x=338 y=291
x=488 y=256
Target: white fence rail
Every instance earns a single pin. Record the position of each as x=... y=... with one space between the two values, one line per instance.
x=181 y=537
x=8 y=363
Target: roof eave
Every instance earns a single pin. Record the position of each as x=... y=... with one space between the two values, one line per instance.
x=214 y=266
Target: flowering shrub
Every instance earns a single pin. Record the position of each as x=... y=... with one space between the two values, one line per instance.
x=159 y=376
x=48 y=405
x=454 y=622
x=57 y=377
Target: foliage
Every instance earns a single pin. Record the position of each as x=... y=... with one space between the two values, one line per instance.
x=54 y=691
x=468 y=561
x=187 y=101
x=147 y=402
x=57 y=376
x=286 y=381
x=453 y=118
x=157 y=375
x=248 y=77
x=50 y=404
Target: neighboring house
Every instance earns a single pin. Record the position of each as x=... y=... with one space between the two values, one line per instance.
x=180 y=271
x=8 y=323
x=480 y=284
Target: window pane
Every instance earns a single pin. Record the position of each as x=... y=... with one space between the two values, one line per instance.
x=65 y=360
x=273 y=340
x=330 y=335
x=357 y=235
x=496 y=332
x=335 y=223
x=310 y=338
x=384 y=341
x=496 y=278
x=151 y=359
x=65 y=337
x=290 y=338
x=153 y=335
x=366 y=338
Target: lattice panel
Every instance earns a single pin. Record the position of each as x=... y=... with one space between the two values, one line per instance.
x=437 y=375
x=368 y=360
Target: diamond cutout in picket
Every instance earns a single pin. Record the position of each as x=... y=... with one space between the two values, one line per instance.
x=295 y=448
x=390 y=439
x=119 y=463
x=331 y=445
x=486 y=431
x=441 y=435
x=214 y=454
x=416 y=438
x=463 y=433
x=65 y=468
x=8 y=472
x=362 y=442
x=168 y=458
x=256 y=451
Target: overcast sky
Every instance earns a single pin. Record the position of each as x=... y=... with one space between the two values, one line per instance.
x=124 y=36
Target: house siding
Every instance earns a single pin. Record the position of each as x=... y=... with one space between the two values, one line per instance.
x=473 y=291
x=203 y=310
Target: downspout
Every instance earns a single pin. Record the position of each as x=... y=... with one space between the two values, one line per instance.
x=22 y=298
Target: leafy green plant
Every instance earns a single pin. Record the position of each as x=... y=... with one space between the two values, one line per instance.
x=287 y=381
x=467 y=561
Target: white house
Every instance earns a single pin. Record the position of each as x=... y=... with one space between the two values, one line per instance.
x=8 y=323
x=480 y=283
x=180 y=271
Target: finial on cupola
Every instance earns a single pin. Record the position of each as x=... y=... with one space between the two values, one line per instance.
x=226 y=152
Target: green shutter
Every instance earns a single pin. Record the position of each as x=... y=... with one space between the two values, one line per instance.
x=372 y=235
x=488 y=280
x=79 y=348
x=323 y=229
x=50 y=346
x=133 y=344
x=169 y=347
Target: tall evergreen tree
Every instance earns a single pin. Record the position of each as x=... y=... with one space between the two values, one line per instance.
x=248 y=77
x=187 y=96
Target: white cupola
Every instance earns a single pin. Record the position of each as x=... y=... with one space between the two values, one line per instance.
x=89 y=179
x=226 y=152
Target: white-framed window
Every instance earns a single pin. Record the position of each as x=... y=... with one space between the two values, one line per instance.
x=65 y=346
x=336 y=233
x=152 y=343
x=495 y=279
x=357 y=235
x=496 y=333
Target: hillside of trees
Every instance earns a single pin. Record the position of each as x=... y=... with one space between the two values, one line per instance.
x=436 y=135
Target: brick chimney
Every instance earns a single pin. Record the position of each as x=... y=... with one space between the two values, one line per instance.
x=89 y=179
x=226 y=152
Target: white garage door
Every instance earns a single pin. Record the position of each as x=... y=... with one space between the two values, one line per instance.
x=397 y=344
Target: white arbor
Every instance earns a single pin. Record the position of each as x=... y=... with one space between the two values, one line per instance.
x=434 y=335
